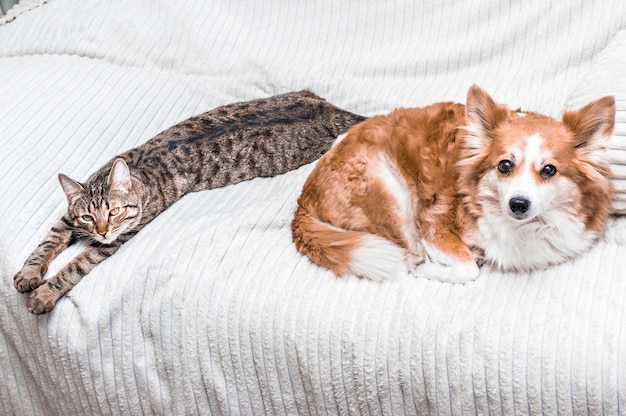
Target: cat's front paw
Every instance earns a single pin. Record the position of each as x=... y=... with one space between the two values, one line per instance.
x=42 y=300
x=27 y=279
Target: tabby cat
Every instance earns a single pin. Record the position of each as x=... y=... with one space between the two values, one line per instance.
x=230 y=144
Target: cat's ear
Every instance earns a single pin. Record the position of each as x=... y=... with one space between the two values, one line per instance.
x=71 y=188
x=483 y=115
x=119 y=177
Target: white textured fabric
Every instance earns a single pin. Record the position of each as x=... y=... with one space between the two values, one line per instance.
x=210 y=309
x=19 y=8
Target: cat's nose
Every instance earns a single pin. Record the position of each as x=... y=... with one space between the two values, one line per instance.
x=101 y=228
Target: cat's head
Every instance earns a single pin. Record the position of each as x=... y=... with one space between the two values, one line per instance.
x=105 y=206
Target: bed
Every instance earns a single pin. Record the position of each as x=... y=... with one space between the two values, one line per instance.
x=210 y=309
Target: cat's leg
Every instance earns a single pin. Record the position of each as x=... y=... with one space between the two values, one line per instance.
x=36 y=265
x=44 y=298
x=448 y=259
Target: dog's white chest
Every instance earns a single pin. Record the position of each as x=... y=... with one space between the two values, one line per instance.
x=515 y=246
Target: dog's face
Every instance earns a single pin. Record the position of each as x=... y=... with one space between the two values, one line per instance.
x=524 y=167
x=529 y=162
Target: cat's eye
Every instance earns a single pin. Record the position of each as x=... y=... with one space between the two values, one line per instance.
x=505 y=167
x=114 y=211
x=548 y=171
x=87 y=218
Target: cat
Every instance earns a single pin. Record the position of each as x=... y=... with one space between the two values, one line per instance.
x=230 y=144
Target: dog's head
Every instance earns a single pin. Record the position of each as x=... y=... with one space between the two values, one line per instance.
x=524 y=167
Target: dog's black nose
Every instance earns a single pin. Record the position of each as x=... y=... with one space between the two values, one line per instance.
x=519 y=205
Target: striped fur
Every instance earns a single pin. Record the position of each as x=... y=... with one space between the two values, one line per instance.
x=227 y=145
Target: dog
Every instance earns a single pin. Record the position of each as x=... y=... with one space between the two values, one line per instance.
x=440 y=190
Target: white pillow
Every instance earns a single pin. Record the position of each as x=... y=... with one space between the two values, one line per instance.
x=606 y=77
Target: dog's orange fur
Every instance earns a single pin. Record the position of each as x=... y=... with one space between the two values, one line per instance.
x=424 y=142
x=430 y=149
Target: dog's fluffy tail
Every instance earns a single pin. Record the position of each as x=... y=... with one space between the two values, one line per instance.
x=344 y=251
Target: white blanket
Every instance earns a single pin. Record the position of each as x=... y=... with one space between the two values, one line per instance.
x=210 y=309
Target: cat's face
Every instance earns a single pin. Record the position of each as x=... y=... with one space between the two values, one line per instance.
x=103 y=209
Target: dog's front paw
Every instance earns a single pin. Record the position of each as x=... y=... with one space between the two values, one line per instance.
x=27 y=279
x=453 y=273
x=42 y=300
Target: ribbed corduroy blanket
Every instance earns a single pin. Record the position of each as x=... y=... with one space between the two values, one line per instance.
x=210 y=309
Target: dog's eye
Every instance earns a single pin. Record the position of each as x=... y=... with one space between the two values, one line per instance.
x=548 y=171
x=505 y=167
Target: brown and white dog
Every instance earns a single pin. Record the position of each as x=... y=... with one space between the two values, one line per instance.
x=440 y=189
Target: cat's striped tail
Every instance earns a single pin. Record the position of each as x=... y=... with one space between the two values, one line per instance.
x=345 y=251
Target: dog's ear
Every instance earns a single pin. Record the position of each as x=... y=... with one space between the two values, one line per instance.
x=482 y=114
x=592 y=125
